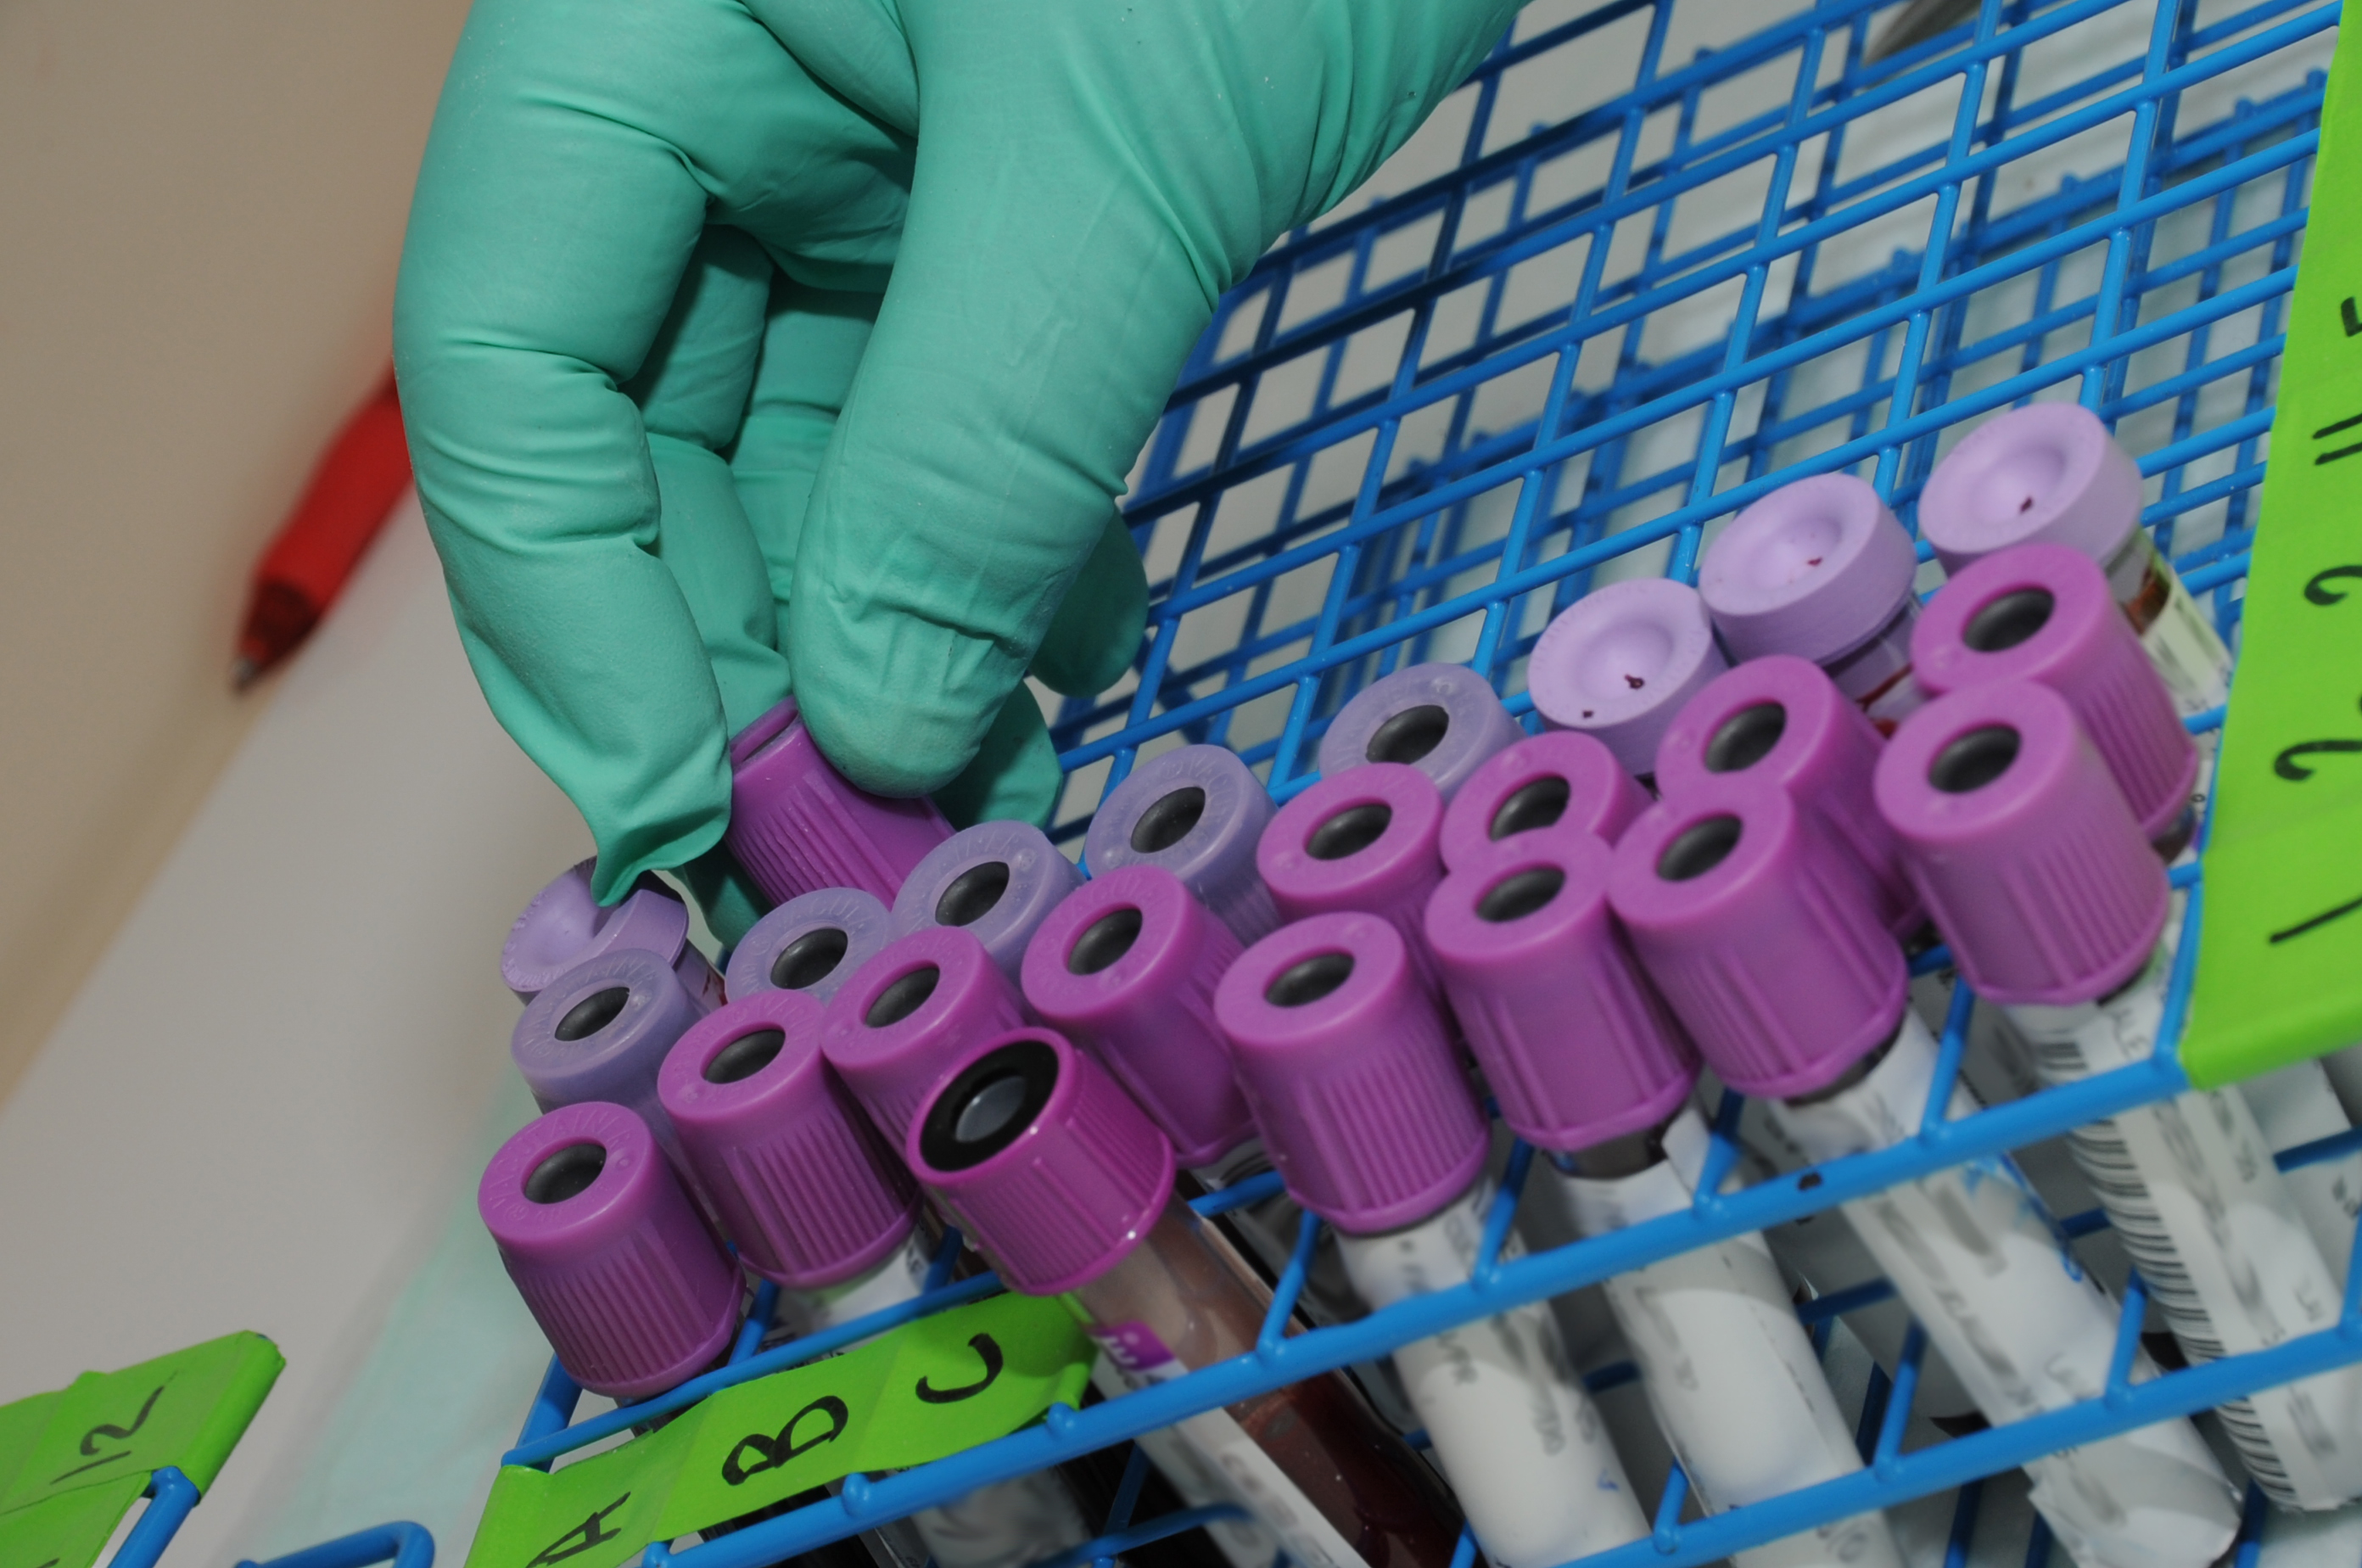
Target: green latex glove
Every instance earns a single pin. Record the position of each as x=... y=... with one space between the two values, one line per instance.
x=722 y=381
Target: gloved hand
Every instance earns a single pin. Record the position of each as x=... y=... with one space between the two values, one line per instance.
x=722 y=380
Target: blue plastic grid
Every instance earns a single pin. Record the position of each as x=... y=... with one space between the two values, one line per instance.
x=1542 y=361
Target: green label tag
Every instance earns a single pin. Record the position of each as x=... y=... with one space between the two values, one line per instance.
x=67 y=1530
x=928 y=1389
x=2279 y=954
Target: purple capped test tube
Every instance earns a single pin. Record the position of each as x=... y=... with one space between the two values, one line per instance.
x=564 y=926
x=601 y=1032
x=633 y=1292
x=923 y=999
x=812 y=943
x=1197 y=812
x=1578 y=1047
x=1782 y=718
x=1363 y=840
x=996 y=880
x=1820 y=569
x=1127 y=969
x=2043 y=612
x=801 y=1180
x=798 y=826
x=1561 y=777
x=1442 y=719
x=1620 y=662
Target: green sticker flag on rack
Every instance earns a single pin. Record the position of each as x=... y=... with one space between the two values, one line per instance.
x=72 y=1462
x=2279 y=952
x=928 y=1389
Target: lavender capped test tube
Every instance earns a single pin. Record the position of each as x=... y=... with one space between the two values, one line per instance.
x=1620 y=662
x=1821 y=570
x=798 y=826
x=906 y=1013
x=1442 y=719
x=564 y=926
x=819 y=1206
x=1365 y=1111
x=1067 y=1186
x=2042 y=880
x=1198 y=813
x=1364 y=840
x=601 y=1032
x=1541 y=781
x=998 y=880
x=1773 y=960
x=2050 y=472
x=1780 y=718
x=633 y=1292
x=1590 y=1067
x=812 y=943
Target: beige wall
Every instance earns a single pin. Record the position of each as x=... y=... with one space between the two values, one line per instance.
x=200 y=209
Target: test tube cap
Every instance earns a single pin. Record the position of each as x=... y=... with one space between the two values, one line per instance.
x=1126 y=968
x=2031 y=862
x=564 y=926
x=895 y=1026
x=1051 y=1169
x=1816 y=569
x=812 y=943
x=633 y=1292
x=2047 y=471
x=1620 y=662
x=1442 y=719
x=1197 y=812
x=600 y=1032
x=1759 y=935
x=1577 y=1045
x=1782 y=718
x=2043 y=612
x=1563 y=778
x=998 y=880
x=1355 y=1086
x=1363 y=840
x=798 y=825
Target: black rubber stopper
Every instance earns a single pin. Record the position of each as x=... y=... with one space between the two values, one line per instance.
x=988 y=1106
x=904 y=996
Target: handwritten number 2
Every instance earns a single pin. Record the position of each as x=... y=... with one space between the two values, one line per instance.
x=118 y=1434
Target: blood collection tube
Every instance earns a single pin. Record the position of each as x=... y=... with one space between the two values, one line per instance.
x=1821 y=570
x=1442 y=719
x=1198 y=813
x=632 y=1291
x=1561 y=776
x=812 y=943
x=1343 y=1056
x=819 y=1206
x=1620 y=662
x=798 y=826
x=892 y=1028
x=998 y=881
x=1782 y=718
x=1363 y=840
x=564 y=926
x=2041 y=879
x=1067 y=1186
x=1591 y=1069
x=1772 y=959
x=2050 y=472
x=600 y=1032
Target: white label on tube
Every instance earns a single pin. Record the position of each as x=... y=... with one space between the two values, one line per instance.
x=1983 y=1267
x=1521 y=1441
x=2190 y=1186
x=2295 y=1106
x=2181 y=643
x=1249 y=1475
x=1196 y=1477
x=1726 y=1367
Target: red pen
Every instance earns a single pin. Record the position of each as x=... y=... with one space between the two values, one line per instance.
x=359 y=477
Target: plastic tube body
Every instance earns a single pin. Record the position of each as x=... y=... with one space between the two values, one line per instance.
x=1518 y=1438
x=2176 y=634
x=1982 y=1265
x=1728 y=1367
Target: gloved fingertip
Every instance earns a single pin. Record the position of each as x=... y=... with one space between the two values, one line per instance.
x=731 y=901
x=1015 y=775
x=1095 y=636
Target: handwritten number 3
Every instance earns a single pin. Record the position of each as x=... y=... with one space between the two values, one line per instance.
x=987 y=1352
